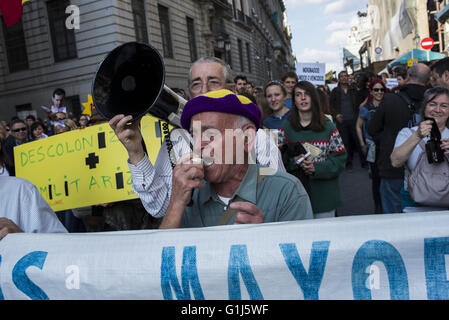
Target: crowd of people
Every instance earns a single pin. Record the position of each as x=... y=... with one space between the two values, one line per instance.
x=319 y=131
x=19 y=131
x=103 y=217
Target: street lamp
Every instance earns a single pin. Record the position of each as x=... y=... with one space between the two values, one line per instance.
x=220 y=42
x=227 y=45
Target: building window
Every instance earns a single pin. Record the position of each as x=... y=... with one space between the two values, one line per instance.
x=228 y=52
x=191 y=39
x=234 y=9
x=15 y=47
x=23 y=107
x=248 y=56
x=73 y=105
x=24 y=110
x=240 y=47
x=140 y=22
x=165 y=31
x=63 y=39
x=242 y=6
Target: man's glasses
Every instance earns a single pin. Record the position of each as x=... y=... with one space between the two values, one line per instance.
x=379 y=90
x=212 y=85
x=19 y=129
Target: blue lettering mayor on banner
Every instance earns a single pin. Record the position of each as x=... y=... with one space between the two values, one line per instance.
x=309 y=282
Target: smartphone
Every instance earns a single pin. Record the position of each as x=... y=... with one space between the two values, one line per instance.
x=308 y=154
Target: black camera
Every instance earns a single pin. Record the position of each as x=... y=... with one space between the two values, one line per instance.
x=433 y=147
x=291 y=150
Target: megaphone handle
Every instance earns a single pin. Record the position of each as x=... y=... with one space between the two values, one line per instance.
x=178 y=98
x=169 y=143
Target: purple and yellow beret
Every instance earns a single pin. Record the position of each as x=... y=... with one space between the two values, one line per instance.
x=221 y=101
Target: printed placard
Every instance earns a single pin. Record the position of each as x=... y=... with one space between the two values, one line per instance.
x=312 y=72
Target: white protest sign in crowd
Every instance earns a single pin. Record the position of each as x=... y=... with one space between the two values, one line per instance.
x=400 y=256
x=312 y=72
x=391 y=83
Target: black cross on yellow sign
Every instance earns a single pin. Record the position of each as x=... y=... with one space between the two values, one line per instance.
x=92 y=160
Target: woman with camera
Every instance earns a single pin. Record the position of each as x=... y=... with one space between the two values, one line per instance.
x=411 y=143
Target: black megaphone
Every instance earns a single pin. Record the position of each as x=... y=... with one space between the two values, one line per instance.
x=130 y=81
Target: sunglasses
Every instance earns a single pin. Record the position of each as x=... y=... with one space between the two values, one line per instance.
x=379 y=90
x=19 y=129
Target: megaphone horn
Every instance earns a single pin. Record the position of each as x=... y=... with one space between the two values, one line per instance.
x=130 y=81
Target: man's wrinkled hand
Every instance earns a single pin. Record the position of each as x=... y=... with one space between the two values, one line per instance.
x=8 y=226
x=187 y=175
x=247 y=213
x=129 y=135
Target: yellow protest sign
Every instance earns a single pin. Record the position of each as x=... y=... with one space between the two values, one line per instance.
x=83 y=167
x=411 y=62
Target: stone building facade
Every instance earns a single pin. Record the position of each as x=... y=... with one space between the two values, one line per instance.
x=46 y=50
x=393 y=32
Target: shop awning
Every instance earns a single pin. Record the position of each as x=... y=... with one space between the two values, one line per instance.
x=420 y=55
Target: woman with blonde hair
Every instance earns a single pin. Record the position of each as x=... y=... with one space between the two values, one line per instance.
x=275 y=94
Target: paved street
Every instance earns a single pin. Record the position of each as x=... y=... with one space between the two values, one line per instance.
x=356 y=191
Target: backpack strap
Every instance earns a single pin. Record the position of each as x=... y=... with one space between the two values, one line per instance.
x=407 y=99
x=230 y=212
x=411 y=106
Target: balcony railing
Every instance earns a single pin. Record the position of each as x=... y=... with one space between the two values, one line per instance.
x=224 y=8
x=248 y=21
x=222 y=3
x=239 y=15
x=243 y=18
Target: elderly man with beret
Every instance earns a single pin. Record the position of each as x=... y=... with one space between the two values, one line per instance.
x=230 y=190
x=152 y=183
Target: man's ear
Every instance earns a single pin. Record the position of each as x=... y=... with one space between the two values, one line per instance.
x=249 y=131
x=445 y=77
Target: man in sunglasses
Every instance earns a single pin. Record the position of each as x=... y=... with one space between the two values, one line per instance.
x=396 y=111
x=18 y=136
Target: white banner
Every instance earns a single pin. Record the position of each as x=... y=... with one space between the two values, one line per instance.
x=400 y=27
x=312 y=72
x=400 y=256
